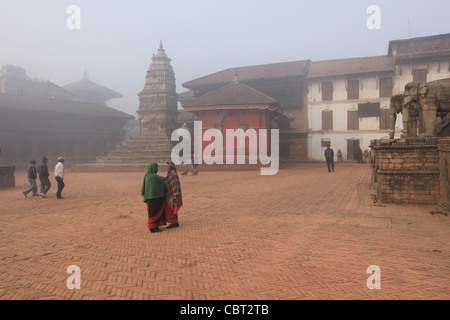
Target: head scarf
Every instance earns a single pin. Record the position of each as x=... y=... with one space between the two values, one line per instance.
x=171 y=166
x=153 y=186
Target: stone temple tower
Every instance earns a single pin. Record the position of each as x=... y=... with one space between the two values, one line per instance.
x=157 y=118
x=158 y=100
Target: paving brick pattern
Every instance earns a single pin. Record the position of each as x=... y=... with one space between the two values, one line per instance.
x=301 y=234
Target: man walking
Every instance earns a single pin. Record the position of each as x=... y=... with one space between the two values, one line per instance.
x=43 y=177
x=31 y=178
x=59 y=176
x=329 y=157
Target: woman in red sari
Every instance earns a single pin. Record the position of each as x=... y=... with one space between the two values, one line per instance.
x=174 y=200
x=153 y=189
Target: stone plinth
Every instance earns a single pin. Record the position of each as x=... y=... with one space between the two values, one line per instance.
x=7 y=179
x=406 y=171
x=134 y=155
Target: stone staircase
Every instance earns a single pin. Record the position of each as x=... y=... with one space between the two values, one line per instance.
x=134 y=154
x=143 y=148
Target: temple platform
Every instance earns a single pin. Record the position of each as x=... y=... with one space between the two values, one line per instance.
x=411 y=171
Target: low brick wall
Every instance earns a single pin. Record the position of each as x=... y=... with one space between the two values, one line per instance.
x=7 y=179
x=406 y=171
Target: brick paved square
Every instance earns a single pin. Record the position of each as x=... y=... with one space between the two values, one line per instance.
x=301 y=234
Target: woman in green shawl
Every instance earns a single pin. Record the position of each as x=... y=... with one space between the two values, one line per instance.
x=153 y=189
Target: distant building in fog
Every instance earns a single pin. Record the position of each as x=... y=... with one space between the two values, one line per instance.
x=13 y=80
x=88 y=91
x=42 y=119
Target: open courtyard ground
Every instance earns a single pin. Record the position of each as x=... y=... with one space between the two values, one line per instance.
x=301 y=234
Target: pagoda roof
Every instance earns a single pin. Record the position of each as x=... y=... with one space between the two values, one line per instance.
x=89 y=91
x=233 y=94
x=32 y=103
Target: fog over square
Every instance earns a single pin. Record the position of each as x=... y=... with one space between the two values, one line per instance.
x=116 y=39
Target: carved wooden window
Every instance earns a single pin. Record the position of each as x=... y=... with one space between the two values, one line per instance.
x=385 y=87
x=352 y=120
x=327 y=91
x=384 y=119
x=352 y=89
x=420 y=75
x=327 y=120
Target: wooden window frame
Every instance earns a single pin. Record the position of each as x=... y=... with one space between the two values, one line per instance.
x=418 y=73
x=386 y=85
x=327 y=121
x=353 y=89
x=327 y=91
x=385 y=119
x=352 y=119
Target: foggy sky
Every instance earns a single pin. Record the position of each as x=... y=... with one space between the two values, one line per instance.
x=118 y=38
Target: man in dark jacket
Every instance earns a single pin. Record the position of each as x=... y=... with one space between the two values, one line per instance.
x=329 y=157
x=31 y=178
x=43 y=177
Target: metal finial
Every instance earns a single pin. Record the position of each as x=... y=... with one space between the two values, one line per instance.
x=236 y=77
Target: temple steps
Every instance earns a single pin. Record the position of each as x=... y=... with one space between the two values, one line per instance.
x=133 y=159
x=134 y=154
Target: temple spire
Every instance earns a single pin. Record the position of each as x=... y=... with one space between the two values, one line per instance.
x=236 y=77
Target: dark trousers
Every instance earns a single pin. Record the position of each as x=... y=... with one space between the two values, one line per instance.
x=330 y=163
x=45 y=185
x=61 y=186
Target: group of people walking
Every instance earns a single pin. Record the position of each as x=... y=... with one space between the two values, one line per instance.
x=42 y=171
x=162 y=196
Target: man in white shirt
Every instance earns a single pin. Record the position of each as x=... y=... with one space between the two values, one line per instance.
x=59 y=176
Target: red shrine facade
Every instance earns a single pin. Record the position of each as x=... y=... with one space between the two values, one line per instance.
x=236 y=106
